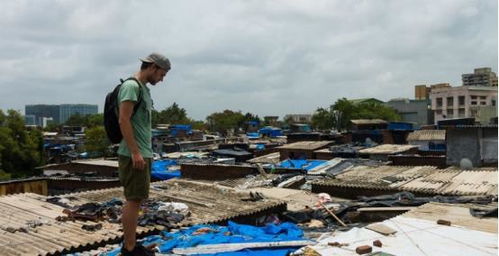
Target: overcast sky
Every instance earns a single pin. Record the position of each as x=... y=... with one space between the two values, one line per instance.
x=264 y=57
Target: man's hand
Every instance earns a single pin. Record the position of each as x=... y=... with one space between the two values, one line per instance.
x=138 y=161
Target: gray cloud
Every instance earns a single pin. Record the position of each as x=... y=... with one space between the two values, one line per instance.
x=265 y=57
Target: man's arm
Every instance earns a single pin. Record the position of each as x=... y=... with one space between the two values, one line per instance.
x=126 y=111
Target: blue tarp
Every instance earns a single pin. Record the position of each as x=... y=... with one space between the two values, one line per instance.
x=270 y=131
x=260 y=146
x=300 y=164
x=162 y=170
x=400 y=126
x=253 y=135
x=232 y=233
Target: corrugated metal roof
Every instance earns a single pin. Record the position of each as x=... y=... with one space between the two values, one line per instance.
x=368 y=121
x=424 y=179
x=306 y=145
x=426 y=135
x=207 y=203
x=272 y=158
x=475 y=126
x=99 y=162
x=387 y=149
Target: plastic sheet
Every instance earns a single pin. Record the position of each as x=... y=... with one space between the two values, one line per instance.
x=232 y=233
x=163 y=170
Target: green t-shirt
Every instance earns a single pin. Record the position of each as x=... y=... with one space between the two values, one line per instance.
x=141 y=120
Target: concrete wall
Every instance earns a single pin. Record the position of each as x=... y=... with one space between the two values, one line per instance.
x=489 y=146
x=479 y=144
x=415 y=111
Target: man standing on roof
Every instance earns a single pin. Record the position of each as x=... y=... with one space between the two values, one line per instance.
x=135 y=151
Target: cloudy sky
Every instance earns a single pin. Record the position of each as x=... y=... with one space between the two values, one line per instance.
x=265 y=57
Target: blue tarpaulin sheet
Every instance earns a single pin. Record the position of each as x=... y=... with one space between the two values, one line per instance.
x=163 y=170
x=232 y=233
x=300 y=164
x=260 y=146
x=270 y=131
x=253 y=135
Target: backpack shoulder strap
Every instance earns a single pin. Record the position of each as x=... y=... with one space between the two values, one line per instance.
x=139 y=97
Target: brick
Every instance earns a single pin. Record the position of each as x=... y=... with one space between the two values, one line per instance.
x=363 y=249
x=378 y=243
x=443 y=222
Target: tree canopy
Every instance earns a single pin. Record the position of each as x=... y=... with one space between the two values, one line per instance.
x=224 y=121
x=20 y=149
x=342 y=111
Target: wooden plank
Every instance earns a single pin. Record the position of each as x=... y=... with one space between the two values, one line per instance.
x=381 y=228
x=386 y=209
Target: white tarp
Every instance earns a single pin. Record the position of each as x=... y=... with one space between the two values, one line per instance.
x=413 y=237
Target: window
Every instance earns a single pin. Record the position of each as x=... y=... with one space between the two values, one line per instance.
x=461 y=100
x=483 y=97
x=483 y=103
x=438 y=112
x=461 y=112
x=493 y=102
x=473 y=103
x=473 y=97
x=439 y=102
x=450 y=101
x=450 y=112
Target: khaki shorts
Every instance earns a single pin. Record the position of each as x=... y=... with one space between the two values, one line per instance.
x=135 y=182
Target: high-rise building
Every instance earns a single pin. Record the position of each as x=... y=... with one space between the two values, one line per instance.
x=41 y=111
x=58 y=114
x=67 y=110
x=464 y=102
x=421 y=92
x=480 y=77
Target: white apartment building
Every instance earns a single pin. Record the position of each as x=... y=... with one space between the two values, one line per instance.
x=464 y=102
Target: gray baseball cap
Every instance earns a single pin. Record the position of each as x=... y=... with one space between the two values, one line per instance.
x=158 y=59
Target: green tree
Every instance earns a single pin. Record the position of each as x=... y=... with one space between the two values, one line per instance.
x=322 y=119
x=88 y=121
x=171 y=115
x=20 y=150
x=96 y=141
x=224 y=121
x=94 y=120
x=76 y=120
x=344 y=110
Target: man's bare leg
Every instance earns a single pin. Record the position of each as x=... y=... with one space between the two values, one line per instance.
x=129 y=220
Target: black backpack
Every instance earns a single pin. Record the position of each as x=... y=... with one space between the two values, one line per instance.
x=111 y=113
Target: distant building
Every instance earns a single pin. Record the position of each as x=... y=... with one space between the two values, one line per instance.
x=480 y=77
x=270 y=120
x=30 y=120
x=299 y=118
x=414 y=111
x=464 y=102
x=422 y=92
x=67 y=110
x=365 y=100
x=58 y=114
x=42 y=112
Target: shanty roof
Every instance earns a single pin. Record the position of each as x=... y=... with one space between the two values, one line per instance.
x=417 y=233
x=387 y=149
x=193 y=154
x=422 y=179
x=98 y=162
x=306 y=145
x=426 y=135
x=272 y=158
x=368 y=121
x=207 y=203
